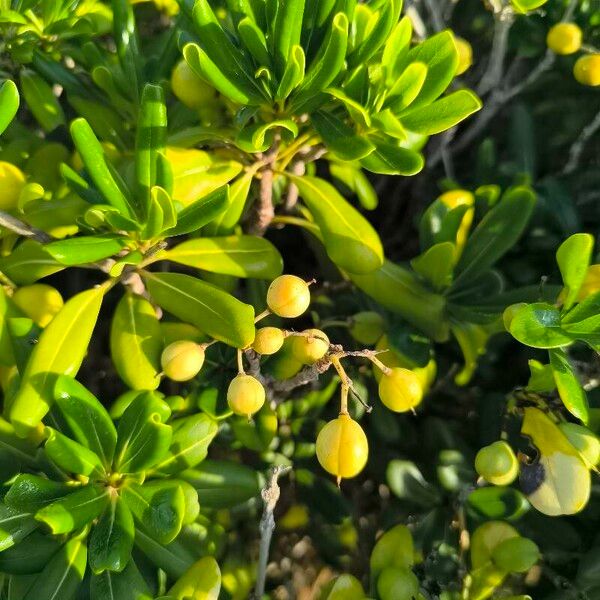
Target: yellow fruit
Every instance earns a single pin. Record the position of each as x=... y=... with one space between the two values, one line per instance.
x=454 y=199
x=182 y=360
x=245 y=395
x=310 y=347
x=296 y=517
x=288 y=296
x=587 y=70
x=12 y=181
x=396 y=583
x=591 y=283
x=39 y=302
x=497 y=463
x=366 y=327
x=401 y=390
x=342 y=447
x=189 y=88
x=564 y=38
x=268 y=340
x=465 y=55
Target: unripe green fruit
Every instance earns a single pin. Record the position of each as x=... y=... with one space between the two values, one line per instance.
x=189 y=88
x=342 y=447
x=587 y=70
x=268 y=340
x=396 y=583
x=584 y=440
x=12 y=181
x=245 y=395
x=516 y=555
x=288 y=296
x=40 y=302
x=310 y=347
x=400 y=390
x=509 y=313
x=182 y=360
x=367 y=327
x=394 y=548
x=497 y=463
x=564 y=38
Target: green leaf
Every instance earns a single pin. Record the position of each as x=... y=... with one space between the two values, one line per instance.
x=126 y=38
x=254 y=39
x=174 y=558
x=85 y=249
x=472 y=339
x=569 y=388
x=293 y=74
x=75 y=510
x=111 y=540
x=162 y=198
x=159 y=508
x=29 y=493
x=226 y=221
x=94 y=160
x=524 y=6
x=259 y=137
x=341 y=139
x=498 y=502
x=60 y=350
x=28 y=263
x=151 y=139
x=201 y=212
x=136 y=342
x=436 y=264
x=356 y=181
x=143 y=438
x=129 y=583
x=202 y=581
x=212 y=310
x=14 y=526
x=441 y=114
x=223 y=484
x=350 y=240
x=41 y=101
x=440 y=56
x=286 y=28
x=236 y=255
x=30 y=555
x=71 y=456
x=407 y=87
x=85 y=417
x=9 y=103
x=407 y=483
x=538 y=325
x=396 y=48
x=496 y=234
x=62 y=575
x=191 y=438
x=390 y=159
x=573 y=258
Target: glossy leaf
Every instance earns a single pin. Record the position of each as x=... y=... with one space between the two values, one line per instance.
x=436 y=264
x=135 y=342
x=201 y=212
x=71 y=456
x=85 y=249
x=158 y=507
x=191 y=438
x=573 y=258
x=226 y=221
x=212 y=310
x=14 y=526
x=350 y=240
x=75 y=510
x=497 y=502
x=202 y=581
x=110 y=585
x=85 y=417
x=60 y=350
x=28 y=263
x=341 y=139
x=9 y=103
x=569 y=388
x=538 y=325
x=30 y=555
x=239 y=255
x=390 y=159
x=111 y=540
x=41 y=101
x=30 y=493
x=407 y=87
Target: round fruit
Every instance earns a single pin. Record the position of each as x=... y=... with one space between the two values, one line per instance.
x=268 y=340
x=509 y=313
x=182 y=360
x=189 y=88
x=288 y=296
x=400 y=390
x=245 y=395
x=564 y=38
x=39 y=302
x=310 y=347
x=587 y=70
x=394 y=548
x=342 y=447
x=497 y=463
x=584 y=440
x=465 y=55
x=516 y=555
x=12 y=181
x=366 y=327
x=396 y=583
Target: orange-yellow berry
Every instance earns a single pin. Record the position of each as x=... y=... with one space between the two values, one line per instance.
x=40 y=302
x=564 y=38
x=310 y=347
x=400 y=389
x=268 y=340
x=182 y=360
x=587 y=70
x=245 y=395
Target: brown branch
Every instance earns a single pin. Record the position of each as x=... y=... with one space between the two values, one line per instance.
x=17 y=226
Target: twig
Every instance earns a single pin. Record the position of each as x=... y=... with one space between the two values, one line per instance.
x=18 y=226
x=270 y=496
x=264 y=211
x=578 y=146
x=435 y=12
x=298 y=168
